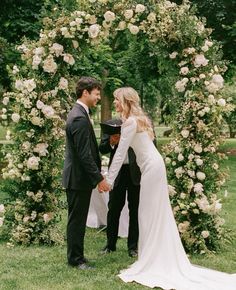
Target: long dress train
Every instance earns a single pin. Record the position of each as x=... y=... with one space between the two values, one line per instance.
x=162 y=261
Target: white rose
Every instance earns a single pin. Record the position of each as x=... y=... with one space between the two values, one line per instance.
x=179 y=171
x=198 y=188
x=200 y=60
x=215 y=166
x=36 y=61
x=39 y=104
x=180 y=157
x=30 y=85
x=73 y=23
x=212 y=87
x=106 y=24
x=221 y=102
x=94 y=30
x=177 y=149
x=65 y=32
x=48 y=111
x=182 y=195
x=203 y=204
x=199 y=161
x=208 y=43
x=200 y=175
x=26 y=146
x=122 y=25
x=184 y=70
x=63 y=83
x=167 y=160
x=49 y=65
x=46 y=218
x=185 y=133
x=39 y=50
x=19 y=85
x=191 y=173
x=68 y=58
x=15 y=117
x=5 y=101
x=75 y=44
x=52 y=34
x=57 y=49
x=140 y=8
x=133 y=29
x=33 y=163
x=211 y=99
x=180 y=85
x=173 y=54
x=205 y=234
x=41 y=149
x=183 y=226
x=36 y=121
x=204 y=48
x=128 y=14
x=109 y=16
x=202 y=76
x=197 y=148
x=151 y=17
x=218 y=79
x=4 y=117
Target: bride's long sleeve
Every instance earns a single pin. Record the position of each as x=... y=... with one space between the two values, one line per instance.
x=128 y=131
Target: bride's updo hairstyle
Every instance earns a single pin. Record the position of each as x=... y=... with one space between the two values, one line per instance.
x=130 y=103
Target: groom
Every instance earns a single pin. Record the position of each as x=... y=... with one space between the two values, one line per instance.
x=82 y=166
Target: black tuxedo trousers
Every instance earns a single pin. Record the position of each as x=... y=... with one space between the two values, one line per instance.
x=78 y=205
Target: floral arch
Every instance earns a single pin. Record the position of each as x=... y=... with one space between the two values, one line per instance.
x=190 y=67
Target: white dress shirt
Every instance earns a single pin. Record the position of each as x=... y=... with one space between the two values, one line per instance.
x=84 y=106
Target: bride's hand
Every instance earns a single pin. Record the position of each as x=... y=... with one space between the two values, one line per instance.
x=103 y=186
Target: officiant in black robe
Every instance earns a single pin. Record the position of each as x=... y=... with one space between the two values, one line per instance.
x=127 y=184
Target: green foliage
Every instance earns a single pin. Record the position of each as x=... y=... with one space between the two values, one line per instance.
x=221 y=17
x=230 y=116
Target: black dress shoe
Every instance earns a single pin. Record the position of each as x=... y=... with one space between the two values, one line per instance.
x=106 y=250
x=84 y=266
x=133 y=253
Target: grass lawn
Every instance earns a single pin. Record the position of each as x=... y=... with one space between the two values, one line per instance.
x=45 y=268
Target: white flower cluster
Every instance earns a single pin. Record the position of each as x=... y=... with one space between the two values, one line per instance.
x=25 y=86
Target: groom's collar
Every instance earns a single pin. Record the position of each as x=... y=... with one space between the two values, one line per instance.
x=83 y=105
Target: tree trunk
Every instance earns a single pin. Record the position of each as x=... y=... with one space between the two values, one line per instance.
x=105 y=108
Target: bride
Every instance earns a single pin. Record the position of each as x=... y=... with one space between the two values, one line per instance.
x=162 y=261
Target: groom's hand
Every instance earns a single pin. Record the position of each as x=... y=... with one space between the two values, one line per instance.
x=103 y=186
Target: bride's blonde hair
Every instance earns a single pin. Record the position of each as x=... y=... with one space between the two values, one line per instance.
x=130 y=103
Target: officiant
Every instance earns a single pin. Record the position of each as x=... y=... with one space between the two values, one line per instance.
x=127 y=184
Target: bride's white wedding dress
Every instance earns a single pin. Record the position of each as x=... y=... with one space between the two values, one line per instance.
x=162 y=261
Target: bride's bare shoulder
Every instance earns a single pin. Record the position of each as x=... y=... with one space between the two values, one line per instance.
x=131 y=121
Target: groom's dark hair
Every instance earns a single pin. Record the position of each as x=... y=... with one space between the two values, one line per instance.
x=87 y=83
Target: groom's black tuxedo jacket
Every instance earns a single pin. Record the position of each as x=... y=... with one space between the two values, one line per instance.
x=82 y=161
x=105 y=148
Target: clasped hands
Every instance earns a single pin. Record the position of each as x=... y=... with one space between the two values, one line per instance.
x=104 y=186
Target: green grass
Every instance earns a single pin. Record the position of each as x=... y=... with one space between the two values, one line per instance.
x=45 y=268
